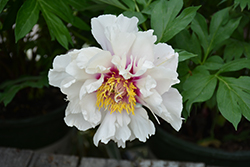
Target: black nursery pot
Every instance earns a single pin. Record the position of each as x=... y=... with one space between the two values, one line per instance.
x=35 y=132
x=166 y=146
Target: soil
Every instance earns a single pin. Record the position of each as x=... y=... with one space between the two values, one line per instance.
x=32 y=102
x=198 y=129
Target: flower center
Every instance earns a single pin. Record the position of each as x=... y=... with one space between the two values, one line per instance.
x=116 y=94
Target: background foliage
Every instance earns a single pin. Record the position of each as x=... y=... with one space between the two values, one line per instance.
x=212 y=38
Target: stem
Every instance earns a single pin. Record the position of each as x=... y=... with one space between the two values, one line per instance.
x=138 y=10
x=136 y=7
x=149 y=2
x=205 y=57
x=144 y=26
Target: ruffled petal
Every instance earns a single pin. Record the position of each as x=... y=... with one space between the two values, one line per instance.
x=101 y=28
x=164 y=78
x=100 y=63
x=90 y=85
x=154 y=100
x=85 y=55
x=106 y=130
x=141 y=67
x=75 y=71
x=74 y=116
x=122 y=130
x=58 y=74
x=172 y=100
x=114 y=126
x=143 y=46
x=145 y=85
x=165 y=56
x=89 y=109
x=56 y=77
x=78 y=121
x=121 y=42
x=60 y=62
x=141 y=126
x=73 y=106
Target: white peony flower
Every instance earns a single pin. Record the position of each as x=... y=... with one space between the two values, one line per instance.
x=109 y=86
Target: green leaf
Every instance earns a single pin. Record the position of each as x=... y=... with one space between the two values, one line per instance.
x=2 y=4
x=184 y=55
x=235 y=65
x=233 y=98
x=164 y=20
x=247 y=49
x=214 y=63
x=56 y=27
x=179 y=23
x=27 y=17
x=142 y=2
x=13 y=86
x=61 y=9
x=163 y=14
x=221 y=27
x=79 y=23
x=115 y=3
x=79 y=5
x=242 y=3
x=149 y=9
x=136 y=14
x=233 y=50
x=199 y=87
x=189 y=43
x=130 y=4
x=199 y=26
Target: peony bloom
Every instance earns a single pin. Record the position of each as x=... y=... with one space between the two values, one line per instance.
x=109 y=86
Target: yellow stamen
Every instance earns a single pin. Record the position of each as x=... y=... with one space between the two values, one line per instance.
x=116 y=94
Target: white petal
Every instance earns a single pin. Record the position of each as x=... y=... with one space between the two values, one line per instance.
x=74 y=53
x=78 y=121
x=121 y=41
x=67 y=82
x=106 y=130
x=60 y=62
x=114 y=126
x=90 y=85
x=85 y=55
x=154 y=100
x=122 y=131
x=72 y=91
x=121 y=64
x=164 y=78
x=127 y=24
x=172 y=100
x=143 y=45
x=101 y=25
x=100 y=63
x=165 y=56
x=56 y=77
x=142 y=67
x=89 y=109
x=73 y=106
x=140 y=125
x=145 y=85
x=75 y=71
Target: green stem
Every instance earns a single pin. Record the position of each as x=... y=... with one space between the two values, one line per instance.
x=149 y=2
x=136 y=7
x=138 y=10
x=205 y=57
